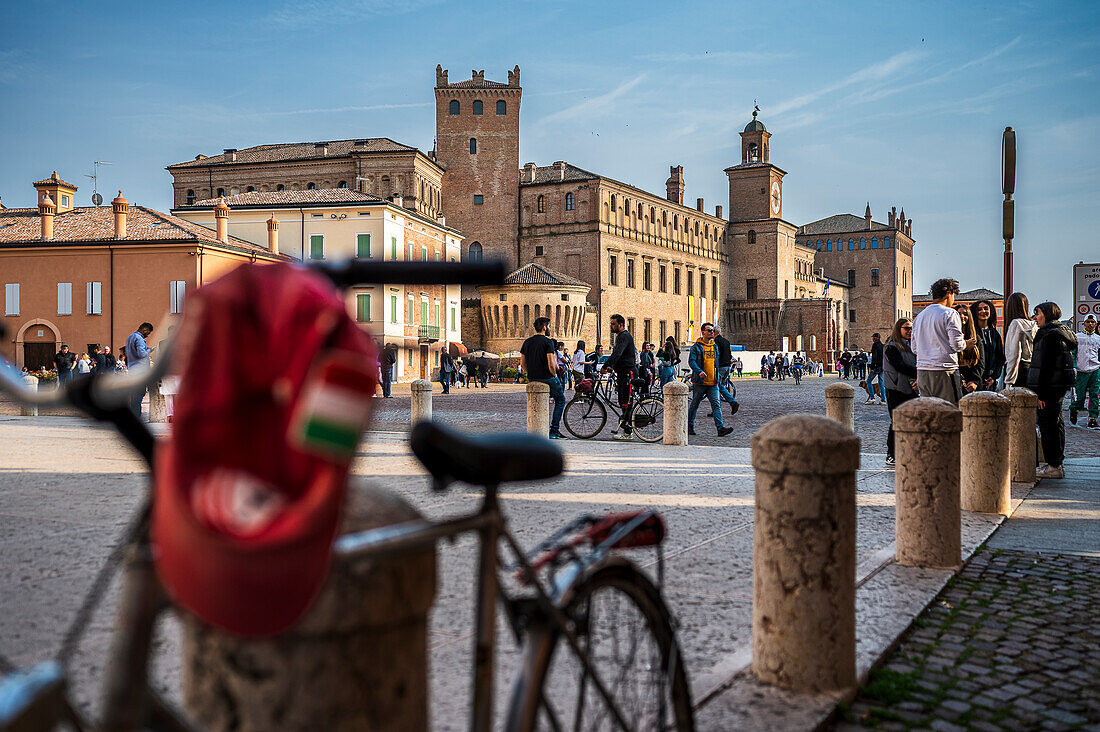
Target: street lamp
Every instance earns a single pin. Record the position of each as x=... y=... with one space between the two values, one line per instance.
x=1008 y=185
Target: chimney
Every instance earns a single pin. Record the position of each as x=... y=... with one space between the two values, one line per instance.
x=718 y=212
x=528 y=173
x=221 y=221
x=867 y=216
x=397 y=200
x=674 y=186
x=232 y=153
x=121 y=207
x=699 y=205
x=273 y=235
x=321 y=149
x=559 y=169
x=46 y=210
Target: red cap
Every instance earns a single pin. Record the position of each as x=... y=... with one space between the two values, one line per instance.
x=275 y=387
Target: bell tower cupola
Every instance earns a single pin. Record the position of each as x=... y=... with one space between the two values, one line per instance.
x=754 y=140
x=756 y=186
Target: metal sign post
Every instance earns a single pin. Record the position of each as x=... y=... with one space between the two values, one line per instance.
x=1086 y=293
x=1008 y=186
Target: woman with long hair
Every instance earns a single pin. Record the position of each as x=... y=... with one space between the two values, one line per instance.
x=972 y=358
x=899 y=374
x=984 y=315
x=668 y=357
x=1051 y=375
x=1019 y=339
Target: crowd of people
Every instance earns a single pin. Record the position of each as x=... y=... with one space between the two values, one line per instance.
x=783 y=366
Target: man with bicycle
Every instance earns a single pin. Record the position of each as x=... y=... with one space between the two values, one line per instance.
x=703 y=361
x=622 y=361
x=539 y=358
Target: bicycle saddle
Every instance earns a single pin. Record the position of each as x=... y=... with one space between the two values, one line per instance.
x=491 y=459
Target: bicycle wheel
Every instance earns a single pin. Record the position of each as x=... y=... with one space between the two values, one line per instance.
x=649 y=419
x=625 y=632
x=584 y=417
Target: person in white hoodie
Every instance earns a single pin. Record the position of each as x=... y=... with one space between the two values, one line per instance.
x=1019 y=339
x=937 y=340
x=1088 y=373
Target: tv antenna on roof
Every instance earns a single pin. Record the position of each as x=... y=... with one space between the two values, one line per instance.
x=97 y=200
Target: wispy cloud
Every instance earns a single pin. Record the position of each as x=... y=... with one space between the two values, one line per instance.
x=872 y=74
x=735 y=57
x=313 y=12
x=596 y=105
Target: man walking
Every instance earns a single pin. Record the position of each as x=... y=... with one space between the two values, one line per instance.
x=63 y=361
x=875 y=371
x=622 y=361
x=703 y=360
x=725 y=364
x=386 y=363
x=1088 y=373
x=539 y=358
x=446 y=368
x=137 y=358
x=937 y=340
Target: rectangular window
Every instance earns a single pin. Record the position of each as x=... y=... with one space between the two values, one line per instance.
x=613 y=270
x=630 y=325
x=393 y=308
x=662 y=273
x=94 y=297
x=630 y=273
x=175 y=296
x=393 y=247
x=874 y=278
x=662 y=328
x=64 y=298
x=691 y=283
x=714 y=286
x=750 y=289
x=851 y=316
x=65 y=201
x=362 y=308
x=423 y=254
x=786 y=288
x=316 y=246
x=412 y=252
x=676 y=281
x=647 y=330
x=409 y=314
x=11 y=298
x=676 y=331
x=851 y=278
x=478 y=199
x=362 y=246
x=647 y=280
x=702 y=285
x=410 y=358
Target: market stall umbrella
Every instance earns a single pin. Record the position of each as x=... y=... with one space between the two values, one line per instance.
x=457 y=350
x=512 y=354
x=484 y=355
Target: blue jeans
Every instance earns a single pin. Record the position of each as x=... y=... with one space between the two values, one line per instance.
x=387 y=379
x=445 y=381
x=870 y=390
x=724 y=386
x=711 y=393
x=557 y=393
x=667 y=374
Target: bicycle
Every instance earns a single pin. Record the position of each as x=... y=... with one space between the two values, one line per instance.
x=571 y=579
x=586 y=413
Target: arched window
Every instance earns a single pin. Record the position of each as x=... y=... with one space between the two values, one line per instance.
x=280 y=187
x=754 y=153
x=676 y=222
x=568 y=201
x=862 y=243
x=851 y=244
x=819 y=245
x=311 y=186
x=502 y=106
x=542 y=204
x=478 y=106
x=828 y=245
x=221 y=192
x=885 y=242
x=190 y=196
x=453 y=109
x=250 y=189
x=473 y=145
x=475 y=252
x=696 y=228
x=752 y=236
x=613 y=209
x=342 y=184
x=874 y=242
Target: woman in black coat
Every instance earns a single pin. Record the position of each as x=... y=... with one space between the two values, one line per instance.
x=1051 y=375
x=984 y=316
x=971 y=358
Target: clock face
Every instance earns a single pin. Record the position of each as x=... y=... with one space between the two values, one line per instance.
x=777 y=198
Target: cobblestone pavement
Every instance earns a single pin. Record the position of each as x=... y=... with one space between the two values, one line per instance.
x=1011 y=643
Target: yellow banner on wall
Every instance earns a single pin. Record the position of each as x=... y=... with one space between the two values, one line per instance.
x=691 y=319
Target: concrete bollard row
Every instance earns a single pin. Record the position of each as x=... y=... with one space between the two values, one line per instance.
x=1021 y=434
x=927 y=519
x=985 y=482
x=421 y=401
x=677 y=399
x=804 y=554
x=538 y=408
x=839 y=399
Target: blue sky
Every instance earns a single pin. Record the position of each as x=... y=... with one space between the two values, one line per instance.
x=889 y=103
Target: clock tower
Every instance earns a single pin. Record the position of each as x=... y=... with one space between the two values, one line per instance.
x=756 y=186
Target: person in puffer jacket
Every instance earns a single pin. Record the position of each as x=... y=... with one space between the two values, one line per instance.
x=1051 y=375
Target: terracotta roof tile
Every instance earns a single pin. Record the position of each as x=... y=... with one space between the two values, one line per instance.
x=550 y=174
x=54 y=180
x=840 y=224
x=275 y=198
x=981 y=293
x=536 y=274
x=298 y=151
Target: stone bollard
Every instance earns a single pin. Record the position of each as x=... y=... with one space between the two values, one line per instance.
x=804 y=554
x=838 y=404
x=31 y=410
x=1022 y=453
x=158 y=405
x=676 y=413
x=357 y=660
x=421 y=401
x=927 y=520
x=538 y=408
x=985 y=483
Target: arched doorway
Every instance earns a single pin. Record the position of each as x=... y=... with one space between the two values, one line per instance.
x=36 y=343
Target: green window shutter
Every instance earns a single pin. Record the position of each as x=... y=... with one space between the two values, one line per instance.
x=423 y=313
x=362 y=246
x=409 y=320
x=393 y=247
x=393 y=308
x=436 y=322
x=453 y=319
x=316 y=246
x=362 y=308
x=423 y=254
x=412 y=252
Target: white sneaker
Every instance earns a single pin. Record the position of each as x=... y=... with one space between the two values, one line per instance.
x=869 y=401
x=880 y=402
x=623 y=436
x=889 y=462
x=1048 y=471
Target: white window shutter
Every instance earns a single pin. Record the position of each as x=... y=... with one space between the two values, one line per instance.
x=64 y=298
x=11 y=298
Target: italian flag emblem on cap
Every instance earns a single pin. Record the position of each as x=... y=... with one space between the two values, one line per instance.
x=333 y=407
